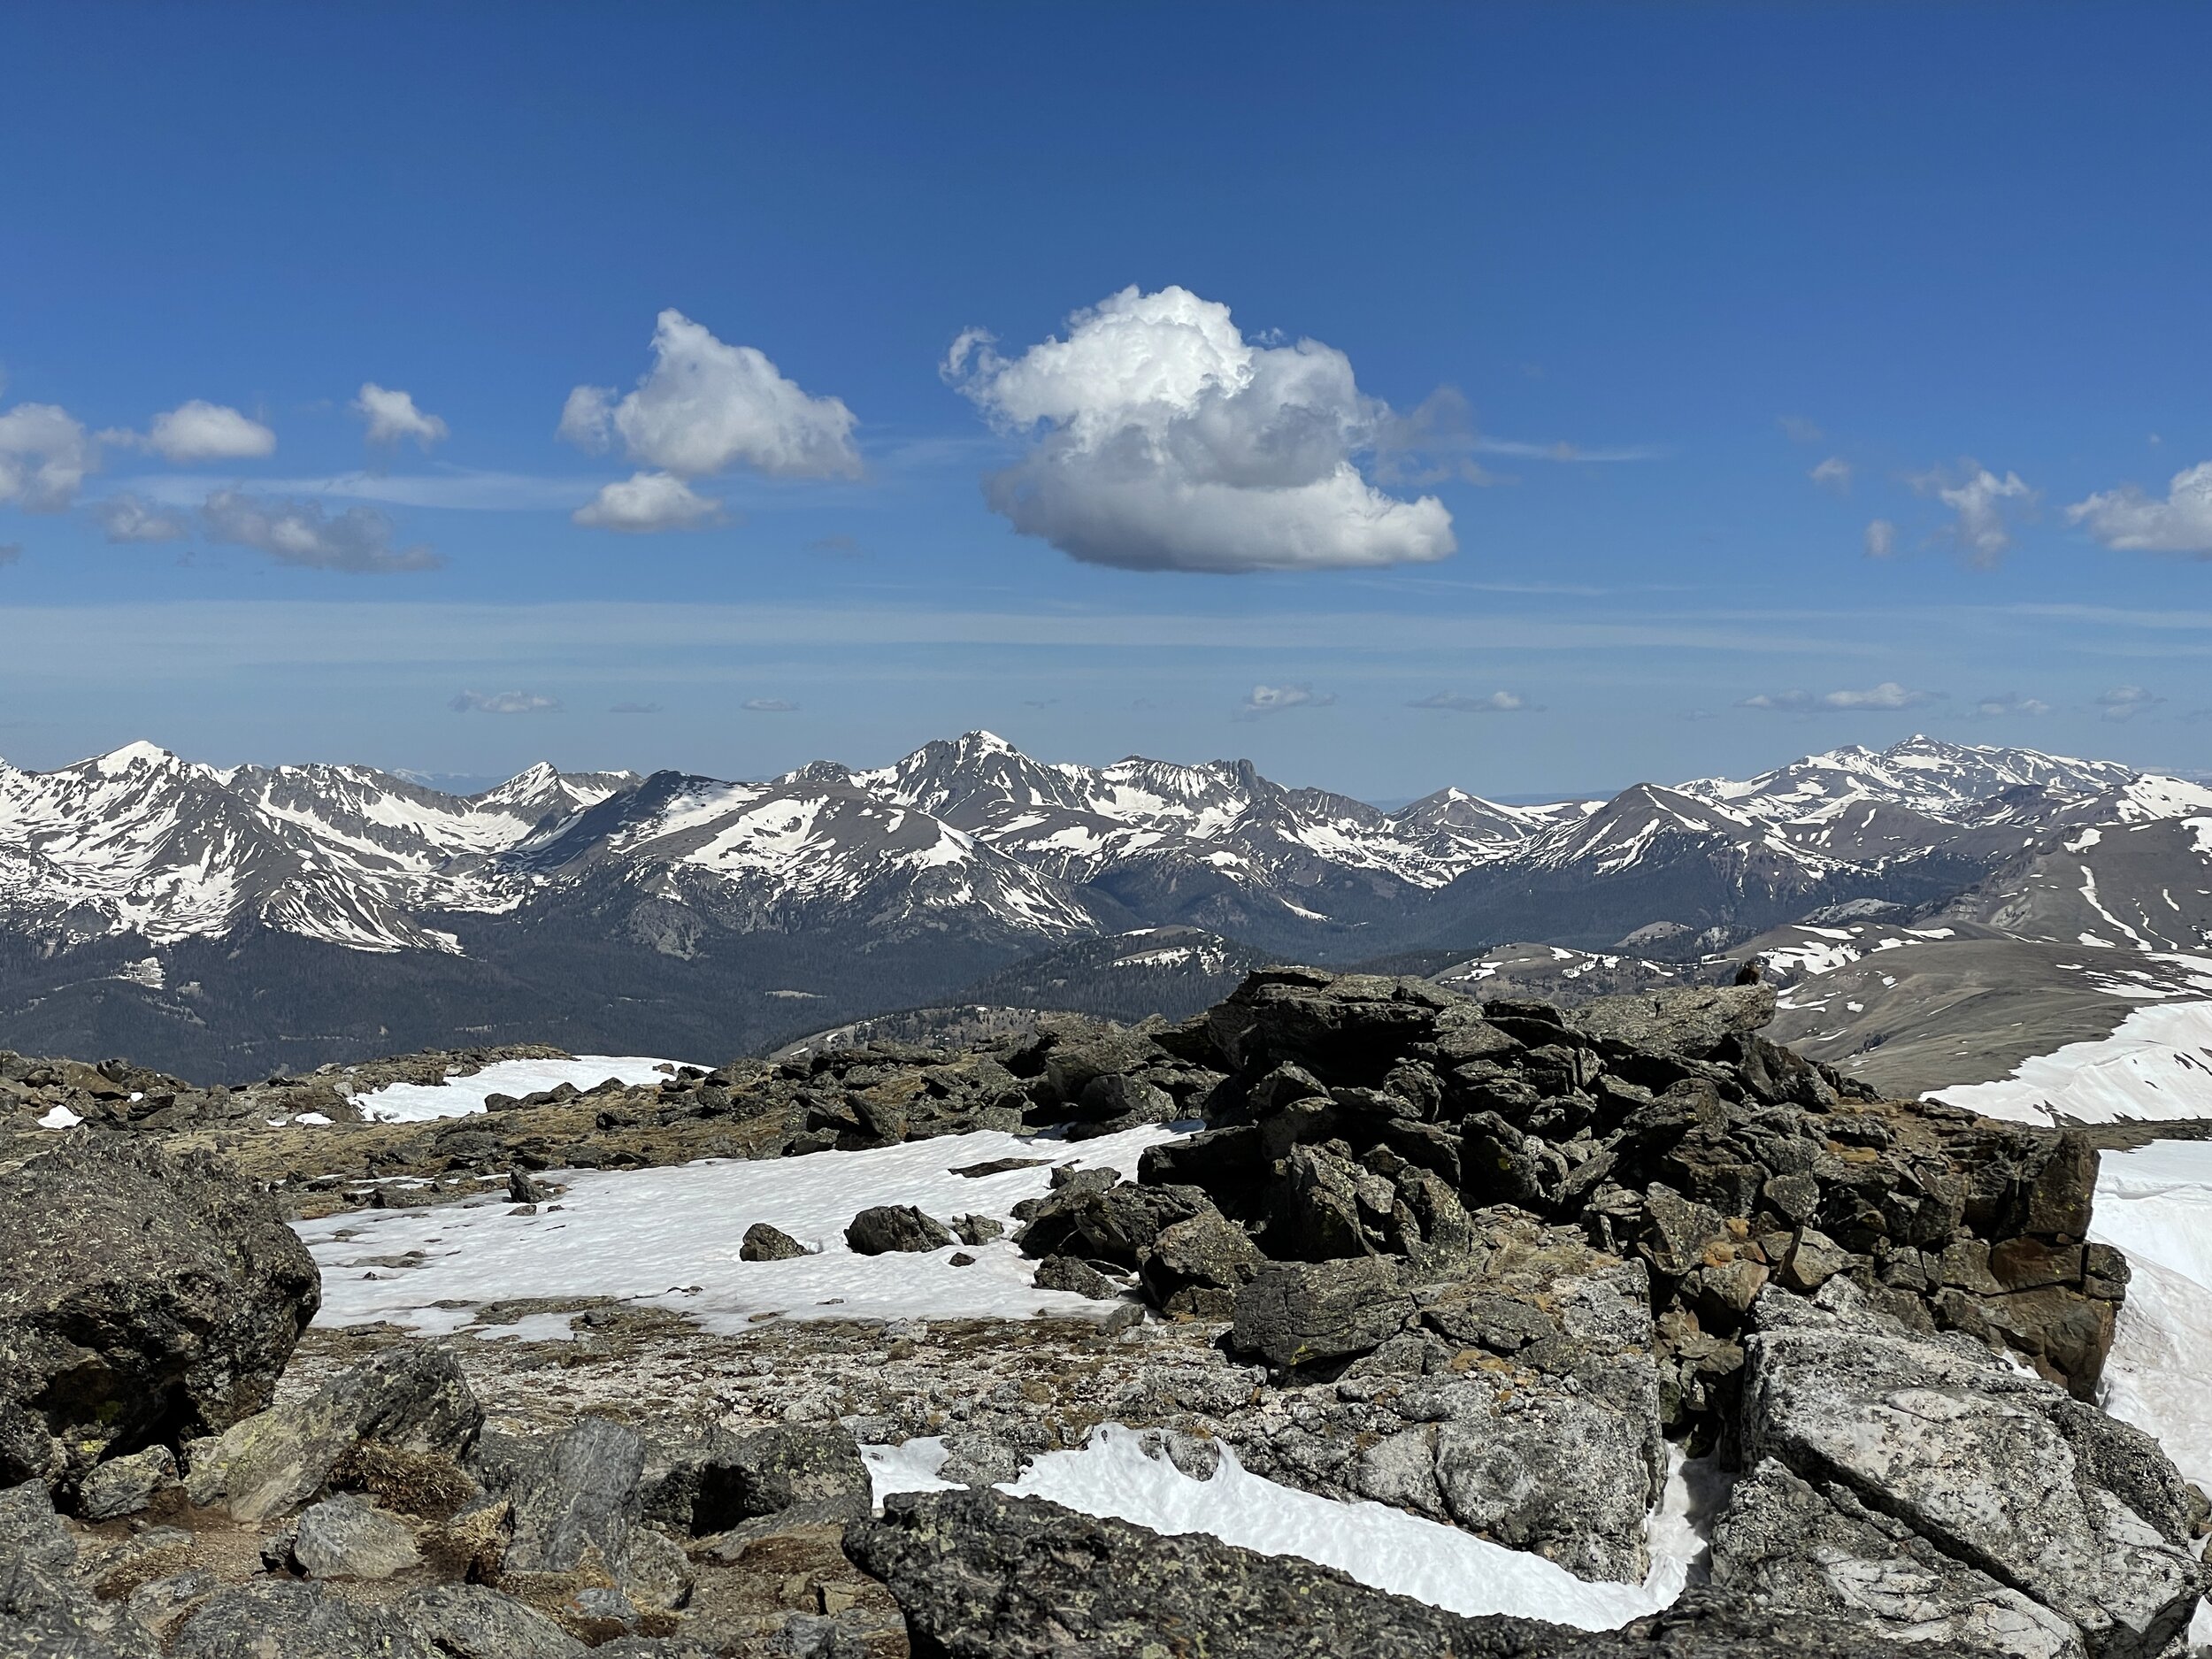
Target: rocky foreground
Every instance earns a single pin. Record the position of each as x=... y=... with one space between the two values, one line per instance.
x=1489 y=1264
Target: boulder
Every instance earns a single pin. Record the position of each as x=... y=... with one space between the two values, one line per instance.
x=1301 y=1313
x=411 y=1398
x=980 y=1575
x=576 y=1507
x=886 y=1228
x=1786 y=1545
x=1688 y=1020
x=145 y=1297
x=293 y=1621
x=1196 y=1268
x=1999 y=1471
x=468 y=1620
x=1073 y=1274
x=348 y=1537
x=124 y=1486
x=764 y=1243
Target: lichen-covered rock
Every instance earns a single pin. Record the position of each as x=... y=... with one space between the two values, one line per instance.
x=145 y=1297
x=348 y=1537
x=1302 y=1313
x=293 y=1621
x=764 y=1243
x=124 y=1486
x=469 y=1621
x=412 y=1398
x=2000 y=1472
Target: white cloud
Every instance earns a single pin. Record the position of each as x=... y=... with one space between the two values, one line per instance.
x=2008 y=704
x=1275 y=699
x=1888 y=695
x=129 y=518
x=504 y=702
x=358 y=541
x=1832 y=473
x=1164 y=440
x=393 y=416
x=44 y=455
x=1881 y=540
x=1799 y=429
x=201 y=431
x=1982 y=530
x=2124 y=703
x=648 y=502
x=1496 y=702
x=706 y=407
x=770 y=705
x=2127 y=518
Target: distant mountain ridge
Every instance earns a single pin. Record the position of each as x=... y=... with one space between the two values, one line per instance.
x=677 y=911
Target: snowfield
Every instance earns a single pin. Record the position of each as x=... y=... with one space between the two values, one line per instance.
x=1116 y=1475
x=2155 y=1204
x=2158 y=1065
x=457 y=1097
x=669 y=1238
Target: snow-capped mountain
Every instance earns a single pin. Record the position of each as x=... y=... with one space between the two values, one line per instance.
x=690 y=911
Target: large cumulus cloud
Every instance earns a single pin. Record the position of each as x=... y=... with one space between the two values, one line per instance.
x=1162 y=439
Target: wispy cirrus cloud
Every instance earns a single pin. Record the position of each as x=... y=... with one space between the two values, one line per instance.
x=769 y=706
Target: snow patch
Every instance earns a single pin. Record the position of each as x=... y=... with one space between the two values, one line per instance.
x=457 y=1097
x=2157 y=1064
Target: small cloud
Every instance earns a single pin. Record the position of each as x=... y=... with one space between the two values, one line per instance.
x=2130 y=519
x=392 y=416
x=706 y=406
x=836 y=546
x=504 y=702
x=2007 y=704
x=1275 y=699
x=2124 y=703
x=44 y=455
x=129 y=518
x=1496 y=702
x=1881 y=540
x=1887 y=695
x=1799 y=429
x=647 y=503
x=357 y=541
x=636 y=708
x=768 y=705
x=201 y=431
x=1982 y=527
x=1039 y=703
x=1832 y=473
x=11 y=552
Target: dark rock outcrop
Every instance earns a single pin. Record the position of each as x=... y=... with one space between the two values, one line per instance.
x=983 y=1576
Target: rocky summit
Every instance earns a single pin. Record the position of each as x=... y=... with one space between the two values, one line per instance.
x=1506 y=1278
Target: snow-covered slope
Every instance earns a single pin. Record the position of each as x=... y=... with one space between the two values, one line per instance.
x=1944 y=780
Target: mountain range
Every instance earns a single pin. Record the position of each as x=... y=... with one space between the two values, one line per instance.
x=229 y=920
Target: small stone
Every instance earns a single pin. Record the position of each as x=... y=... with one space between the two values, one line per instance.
x=124 y=1486
x=523 y=1190
x=1072 y=1273
x=764 y=1243
x=960 y=1258
x=886 y=1228
x=347 y=1537
x=978 y=1229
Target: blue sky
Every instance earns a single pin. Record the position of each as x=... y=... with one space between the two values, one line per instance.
x=1596 y=291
